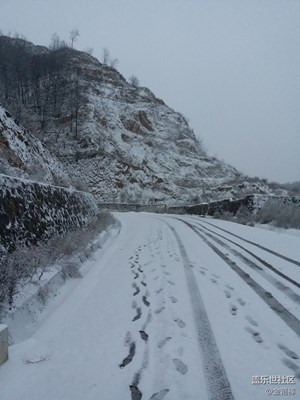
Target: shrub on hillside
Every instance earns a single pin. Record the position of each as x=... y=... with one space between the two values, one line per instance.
x=29 y=263
x=272 y=212
x=225 y=215
x=279 y=214
x=244 y=216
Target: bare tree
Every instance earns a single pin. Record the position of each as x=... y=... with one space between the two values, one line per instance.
x=73 y=36
x=114 y=63
x=19 y=36
x=76 y=100
x=56 y=42
x=107 y=60
x=133 y=80
x=89 y=50
x=105 y=56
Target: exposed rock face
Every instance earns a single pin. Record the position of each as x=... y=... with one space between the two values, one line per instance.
x=23 y=155
x=126 y=144
x=33 y=209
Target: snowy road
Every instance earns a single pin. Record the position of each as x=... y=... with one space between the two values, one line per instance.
x=176 y=308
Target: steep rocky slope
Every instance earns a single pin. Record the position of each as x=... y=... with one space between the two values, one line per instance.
x=23 y=155
x=117 y=139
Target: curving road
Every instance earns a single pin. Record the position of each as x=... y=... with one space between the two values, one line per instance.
x=176 y=307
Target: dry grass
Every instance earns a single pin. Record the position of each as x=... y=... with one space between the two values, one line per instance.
x=28 y=264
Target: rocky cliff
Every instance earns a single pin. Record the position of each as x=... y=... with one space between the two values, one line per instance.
x=116 y=139
x=23 y=155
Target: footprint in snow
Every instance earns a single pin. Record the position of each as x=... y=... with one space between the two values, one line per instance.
x=159 y=290
x=143 y=283
x=257 y=337
x=233 y=310
x=163 y=342
x=159 y=310
x=135 y=393
x=144 y=336
x=268 y=294
x=128 y=339
x=294 y=367
x=180 y=323
x=255 y=334
x=214 y=281
x=145 y=301
x=288 y=352
x=160 y=395
x=227 y=294
x=173 y=299
x=229 y=287
x=138 y=314
x=137 y=289
x=251 y=320
x=171 y=283
x=180 y=366
x=127 y=360
x=241 y=302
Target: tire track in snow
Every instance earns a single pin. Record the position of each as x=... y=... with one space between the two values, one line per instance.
x=276 y=283
x=265 y=263
x=267 y=297
x=216 y=379
x=295 y=262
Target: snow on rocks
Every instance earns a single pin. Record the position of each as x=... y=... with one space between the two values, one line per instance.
x=23 y=155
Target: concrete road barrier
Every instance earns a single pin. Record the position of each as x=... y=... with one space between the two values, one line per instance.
x=3 y=344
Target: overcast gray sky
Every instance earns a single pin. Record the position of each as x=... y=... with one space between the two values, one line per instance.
x=232 y=67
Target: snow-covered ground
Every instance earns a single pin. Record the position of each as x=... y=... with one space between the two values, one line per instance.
x=176 y=308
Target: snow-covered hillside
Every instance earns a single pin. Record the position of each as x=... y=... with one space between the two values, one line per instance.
x=114 y=138
x=122 y=140
x=23 y=155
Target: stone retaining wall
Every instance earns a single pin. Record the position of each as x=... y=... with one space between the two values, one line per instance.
x=3 y=344
x=32 y=211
